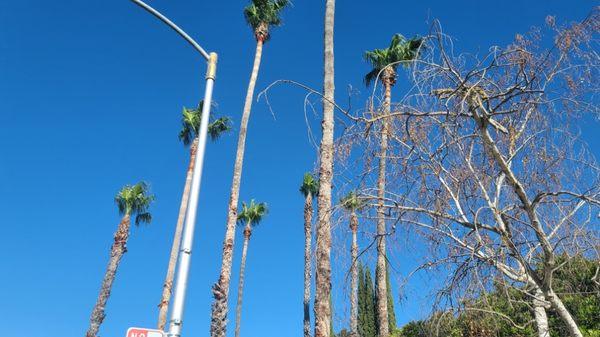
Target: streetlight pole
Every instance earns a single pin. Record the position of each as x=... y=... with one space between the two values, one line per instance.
x=185 y=254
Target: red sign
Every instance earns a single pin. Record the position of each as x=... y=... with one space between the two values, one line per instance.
x=141 y=332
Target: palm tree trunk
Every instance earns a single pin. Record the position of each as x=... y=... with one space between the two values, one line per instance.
x=380 y=277
x=308 y=210
x=564 y=314
x=218 y=324
x=354 y=280
x=163 y=306
x=539 y=311
x=322 y=306
x=118 y=249
x=238 y=316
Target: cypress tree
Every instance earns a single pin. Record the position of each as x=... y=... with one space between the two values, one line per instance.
x=367 y=326
x=390 y=301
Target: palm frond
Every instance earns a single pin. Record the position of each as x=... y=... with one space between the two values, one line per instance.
x=134 y=200
x=218 y=127
x=190 y=124
x=310 y=185
x=400 y=51
x=253 y=213
x=266 y=12
x=143 y=218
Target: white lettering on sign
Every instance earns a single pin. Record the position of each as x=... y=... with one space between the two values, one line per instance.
x=141 y=332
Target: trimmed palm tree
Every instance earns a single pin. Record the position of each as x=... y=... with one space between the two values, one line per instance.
x=190 y=126
x=322 y=307
x=351 y=202
x=260 y=15
x=309 y=189
x=132 y=201
x=249 y=217
x=385 y=63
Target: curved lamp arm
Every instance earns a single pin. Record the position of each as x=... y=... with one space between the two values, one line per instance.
x=173 y=26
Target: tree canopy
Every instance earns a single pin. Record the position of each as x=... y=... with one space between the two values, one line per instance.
x=135 y=200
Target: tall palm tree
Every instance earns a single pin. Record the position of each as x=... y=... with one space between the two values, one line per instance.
x=250 y=216
x=190 y=126
x=322 y=306
x=131 y=201
x=351 y=202
x=385 y=63
x=309 y=189
x=260 y=15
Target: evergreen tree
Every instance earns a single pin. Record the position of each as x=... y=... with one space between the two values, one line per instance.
x=390 y=302
x=367 y=326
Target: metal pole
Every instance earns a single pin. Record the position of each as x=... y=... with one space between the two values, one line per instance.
x=185 y=254
x=170 y=23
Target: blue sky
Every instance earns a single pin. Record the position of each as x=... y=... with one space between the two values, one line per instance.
x=90 y=98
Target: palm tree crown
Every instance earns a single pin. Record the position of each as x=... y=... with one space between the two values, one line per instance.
x=261 y=14
x=251 y=214
x=190 y=125
x=401 y=50
x=352 y=201
x=135 y=200
x=310 y=185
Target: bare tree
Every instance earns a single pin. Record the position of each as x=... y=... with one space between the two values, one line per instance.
x=489 y=165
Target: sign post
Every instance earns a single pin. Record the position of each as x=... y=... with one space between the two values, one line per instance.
x=142 y=332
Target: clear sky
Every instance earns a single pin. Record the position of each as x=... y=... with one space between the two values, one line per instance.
x=90 y=99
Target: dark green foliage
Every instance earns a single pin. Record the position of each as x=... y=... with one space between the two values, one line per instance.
x=400 y=51
x=367 y=326
x=573 y=282
x=190 y=125
x=310 y=185
x=390 y=302
x=135 y=200
x=252 y=214
x=414 y=329
x=264 y=12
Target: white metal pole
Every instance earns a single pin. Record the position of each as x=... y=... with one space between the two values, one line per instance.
x=185 y=253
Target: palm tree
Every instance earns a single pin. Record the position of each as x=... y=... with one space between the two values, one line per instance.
x=322 y=306
x=260 y=15
x=250 y=216
x=351 y=202
x=131 y=201
x=190 y=126
x=384 y=63
x=309 y=189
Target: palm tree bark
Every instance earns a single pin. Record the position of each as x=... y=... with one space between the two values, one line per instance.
x=380 y=277
x=238 y=316
x=354 y=275
x=163 y=306
x=218 y=323
x=322 y=306
x=308 y=210
x=539 y=311
x=118 y=249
